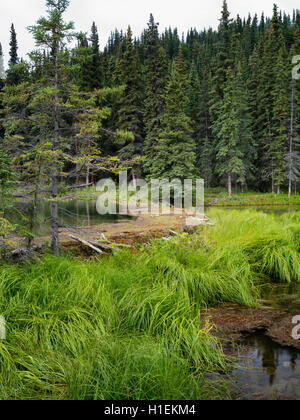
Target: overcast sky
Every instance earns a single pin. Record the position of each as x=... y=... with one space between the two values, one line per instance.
x=111 y=14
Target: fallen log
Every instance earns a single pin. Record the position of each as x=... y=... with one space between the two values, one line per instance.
x=121 y=245
x=103 y=246
x=83 y=242
x=109 y=245
x=74 y=187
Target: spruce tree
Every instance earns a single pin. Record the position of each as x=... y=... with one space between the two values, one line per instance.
x=83 y=72
x=227 y=130
x=13 y=53
x=223 y=60
x=193 y=108
x=96 y=61
x=2 y=71
x=175 y=151
x=104 y=63
x=279 y=129
x=130 y=114
x=156 y=69
x=51 y=32
x=293 y=155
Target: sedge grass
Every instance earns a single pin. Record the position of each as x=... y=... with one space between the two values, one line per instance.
x=130 y=326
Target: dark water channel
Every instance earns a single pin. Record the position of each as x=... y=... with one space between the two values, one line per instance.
x=268 y=370
x=77 y=213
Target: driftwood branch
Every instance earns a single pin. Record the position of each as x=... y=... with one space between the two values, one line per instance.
x=74 y=187
x=83 y=242
x=103 y=246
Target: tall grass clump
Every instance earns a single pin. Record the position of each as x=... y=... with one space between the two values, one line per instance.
x=100 y=330
x=130 y=326
x=270 y=243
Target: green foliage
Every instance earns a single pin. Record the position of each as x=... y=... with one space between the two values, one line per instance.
x=156 y=68
x=7 y=181
x=269 y=243
x=107 y=331
x=175 y=149
x=130 y=113
x=13 y=54
x=227 y=130
x=278 y=147
x=130 y=326
x=225 y=113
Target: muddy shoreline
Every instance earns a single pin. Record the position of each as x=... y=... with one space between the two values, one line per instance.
x=232 y=322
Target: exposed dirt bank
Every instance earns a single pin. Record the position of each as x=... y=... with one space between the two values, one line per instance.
x=232 y=322
x=139 y=230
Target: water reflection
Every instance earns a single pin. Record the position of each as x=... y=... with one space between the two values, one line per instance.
x=268 y=370
x=71 y=213
x=285 y=297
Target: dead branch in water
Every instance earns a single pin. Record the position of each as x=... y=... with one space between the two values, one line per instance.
x=74 y=187
x=89 y=245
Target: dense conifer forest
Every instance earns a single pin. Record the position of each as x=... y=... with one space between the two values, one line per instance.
x=221 y=105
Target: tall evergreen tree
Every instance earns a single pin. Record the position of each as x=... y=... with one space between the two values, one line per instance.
x=269 y=46
x=51 y=32
x=83 y=72
x=175 y=149
x=279 y=130
x=130 y=114
x=293 y=155
x=230 y=157
x=223 y=61
x=156 y=69
x=96 y=61
x=2 y=71
x=13 y=53
x=193 y=108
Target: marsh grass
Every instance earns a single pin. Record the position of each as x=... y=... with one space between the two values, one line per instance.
x=130 y=326
x=219 y=197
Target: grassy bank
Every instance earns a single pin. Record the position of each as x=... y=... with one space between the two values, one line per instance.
x=130 y=326
x=214 y=197
x=218 y=197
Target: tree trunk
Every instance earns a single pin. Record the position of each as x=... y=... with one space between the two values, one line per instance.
x=291 y=140
x=229 y=186
x=133 y=179
x=55 y=238
x=273 y=182
x=87 y=178
x=88 y=213
x=77 y=166
x=34 y=208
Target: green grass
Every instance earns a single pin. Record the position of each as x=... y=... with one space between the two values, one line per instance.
x=214 y=197
x=101 y=330
x=130 y=326
x=268 y=243
x=218 y=197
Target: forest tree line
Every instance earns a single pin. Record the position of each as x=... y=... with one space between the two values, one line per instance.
x=217 y=104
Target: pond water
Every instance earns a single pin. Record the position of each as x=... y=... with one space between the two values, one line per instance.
x=84 y=213
x=77 y=213
x=268 y=370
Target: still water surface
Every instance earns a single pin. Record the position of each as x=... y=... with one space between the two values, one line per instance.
x=84 y=213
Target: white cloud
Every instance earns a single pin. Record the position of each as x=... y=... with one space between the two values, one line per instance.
x=112 y=14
